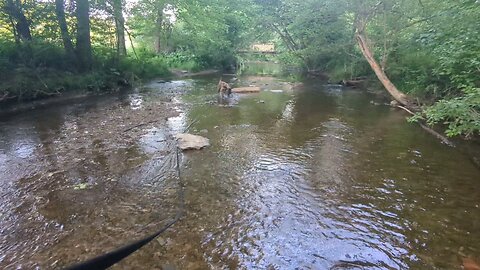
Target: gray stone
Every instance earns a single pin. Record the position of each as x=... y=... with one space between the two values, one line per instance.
x=191 y=142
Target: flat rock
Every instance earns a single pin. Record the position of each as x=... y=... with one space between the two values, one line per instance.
x=249 y=89
x=188 y=141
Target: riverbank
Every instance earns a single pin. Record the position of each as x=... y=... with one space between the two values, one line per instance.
x=30 y=84
x=8 y=105
x=38 y=70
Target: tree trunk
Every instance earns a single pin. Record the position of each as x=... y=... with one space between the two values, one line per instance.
x=62 y=23
x=22 y=25
x=363 y=43
x=15 y=35
x=290 y=43
x=158 y=32
x=119 y=27
x=84 y=46
x=286 y=41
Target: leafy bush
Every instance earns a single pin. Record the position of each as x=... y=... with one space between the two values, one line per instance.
x=144 y=67
x=182 y=60
x=461 y=115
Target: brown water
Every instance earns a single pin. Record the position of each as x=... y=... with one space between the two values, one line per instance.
x=315 y=177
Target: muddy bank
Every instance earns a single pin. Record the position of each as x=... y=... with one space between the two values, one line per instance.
x=9 y=107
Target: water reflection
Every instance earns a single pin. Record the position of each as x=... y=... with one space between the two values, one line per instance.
x=135 y=101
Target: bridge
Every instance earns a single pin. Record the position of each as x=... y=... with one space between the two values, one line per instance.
x=260 y=48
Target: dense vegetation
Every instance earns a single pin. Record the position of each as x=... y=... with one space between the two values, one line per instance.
x=49 y=46
x=428 y=49
x=424 y=52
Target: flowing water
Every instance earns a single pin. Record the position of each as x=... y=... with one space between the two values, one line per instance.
x=309 y=176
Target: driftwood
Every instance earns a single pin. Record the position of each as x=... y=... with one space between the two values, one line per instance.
x=355 y=82
x=250 y=89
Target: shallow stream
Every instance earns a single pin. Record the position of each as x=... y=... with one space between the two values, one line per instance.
x=299 y=176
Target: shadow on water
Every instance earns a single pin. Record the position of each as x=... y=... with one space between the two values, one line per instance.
x=304 y=176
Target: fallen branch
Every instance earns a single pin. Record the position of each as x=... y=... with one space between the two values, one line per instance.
x=131 y=42
x=4 y=97
x=439 y=136
x=405 y=109
x=191 y=124
x=48 y=91
x=40 y=79
x=139 y=125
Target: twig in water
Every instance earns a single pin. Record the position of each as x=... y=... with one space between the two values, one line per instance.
x=139 y=125
x=190 y=125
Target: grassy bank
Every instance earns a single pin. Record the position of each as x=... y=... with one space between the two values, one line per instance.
x=37 y=70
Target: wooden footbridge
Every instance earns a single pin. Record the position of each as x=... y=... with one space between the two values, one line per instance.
x=260 y=48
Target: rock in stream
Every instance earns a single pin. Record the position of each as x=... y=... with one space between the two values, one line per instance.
x=191 y=142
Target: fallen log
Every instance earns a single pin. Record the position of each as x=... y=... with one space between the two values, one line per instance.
x=249 y=89
x=353 y=82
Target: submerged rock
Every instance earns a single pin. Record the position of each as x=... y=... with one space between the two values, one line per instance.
x=191 y=142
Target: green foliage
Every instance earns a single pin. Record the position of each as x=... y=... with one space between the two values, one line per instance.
x=28 y=84
x=182 y=60
x=461 y=115
x=144 y=67
x=40 y=69
x=31 y=55
x=188 y=35
x=447 y=72
x=201 y=34
x=429 y=49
